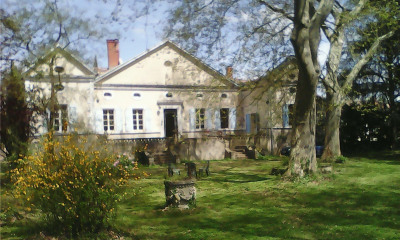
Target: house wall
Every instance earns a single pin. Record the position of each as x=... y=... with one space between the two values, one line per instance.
x=165 y=79
x=164 y=67
x=265 y=103
x=152 y=77
x=153 y=102
x=77 y=95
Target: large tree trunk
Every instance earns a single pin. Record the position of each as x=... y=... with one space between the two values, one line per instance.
x=332 y=126
x=336 y=91
x=305 y=39
x=302 y=156
x=394 y=114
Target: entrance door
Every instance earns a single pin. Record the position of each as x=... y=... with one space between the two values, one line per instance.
x=170 y=122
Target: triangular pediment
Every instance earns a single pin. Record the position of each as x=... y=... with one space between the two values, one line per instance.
x=165 y=65
x=62 y=58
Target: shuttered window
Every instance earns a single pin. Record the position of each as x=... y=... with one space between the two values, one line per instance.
x=137 y=119
x=200 y=118
x=224 y=115
x=108 y=119
x=61 y=119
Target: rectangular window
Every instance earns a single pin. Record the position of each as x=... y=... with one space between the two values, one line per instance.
x=287 y=115
x=61 y=119
x=224 y=114
x=108 y=119
x=137 y=119
x=200 y=118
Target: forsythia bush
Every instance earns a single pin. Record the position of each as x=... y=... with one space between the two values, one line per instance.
x=75 y=184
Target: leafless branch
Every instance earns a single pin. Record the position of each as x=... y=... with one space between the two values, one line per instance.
x=204 y=6
x=277 y=10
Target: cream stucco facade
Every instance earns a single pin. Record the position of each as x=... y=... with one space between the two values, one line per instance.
x=165 y=92
x=161 y=93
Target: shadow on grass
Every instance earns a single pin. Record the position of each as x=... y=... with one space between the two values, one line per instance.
x=239 y=177
x=362 y=210
x=23 y=229
x=388 y=157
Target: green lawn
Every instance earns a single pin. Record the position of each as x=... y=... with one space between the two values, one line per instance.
x=240 y=200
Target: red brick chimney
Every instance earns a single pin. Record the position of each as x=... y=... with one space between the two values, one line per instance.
x=229 y=72
x=113 y=53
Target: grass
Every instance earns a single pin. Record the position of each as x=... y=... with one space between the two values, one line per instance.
x=240 y=200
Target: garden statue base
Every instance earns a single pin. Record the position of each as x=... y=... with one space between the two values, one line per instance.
x=180 y=194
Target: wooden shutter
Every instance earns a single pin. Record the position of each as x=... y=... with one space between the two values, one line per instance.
x=208 y=116
x=192 y=119
x=248 y=123
x=285 y=115
x=217 y=119
x=147 y=119
x=98 y=121
x=232 y=118
x=128 y=120
x=72 y=116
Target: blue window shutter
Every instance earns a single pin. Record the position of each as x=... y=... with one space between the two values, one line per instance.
x=285 y=115
x=192 y=119
x=218 y=119
x=208 y=116
x=248 y=123
x=119 y=120
x=128 y=120
x=72 y=116
x=98 y=121
x=46 y=120
x=232 y=118
x=147 y=118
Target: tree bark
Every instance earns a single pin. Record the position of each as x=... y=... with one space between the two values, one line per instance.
x=332 y=126
x=305 y=40
x=335 y=91
x=394 y=114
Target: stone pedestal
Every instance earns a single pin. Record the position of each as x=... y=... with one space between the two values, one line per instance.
x=181 y=194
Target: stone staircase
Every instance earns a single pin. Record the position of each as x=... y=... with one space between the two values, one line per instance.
x=239 y=152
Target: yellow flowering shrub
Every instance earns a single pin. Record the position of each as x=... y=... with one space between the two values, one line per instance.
x=76 y=183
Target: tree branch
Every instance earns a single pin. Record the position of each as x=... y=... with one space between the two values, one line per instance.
x=364 y=60
x=277 y=10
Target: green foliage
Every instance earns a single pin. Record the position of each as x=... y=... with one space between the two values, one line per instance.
x=341 y=159
x=75 y=183
x=364 y=127
x=15 y=117
x=379 y=81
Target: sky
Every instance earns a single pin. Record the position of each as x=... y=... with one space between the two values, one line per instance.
x=136 y=32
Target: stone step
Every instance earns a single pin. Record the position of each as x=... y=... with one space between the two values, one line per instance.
x=240 y=149
x=238 y=155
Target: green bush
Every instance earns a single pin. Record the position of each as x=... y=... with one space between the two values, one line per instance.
x=341 y=159
x=76 y=184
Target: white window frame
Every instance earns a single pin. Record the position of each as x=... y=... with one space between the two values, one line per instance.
x=137 y=119
x=61 y=119
x=200 y=119
x=108 y=120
